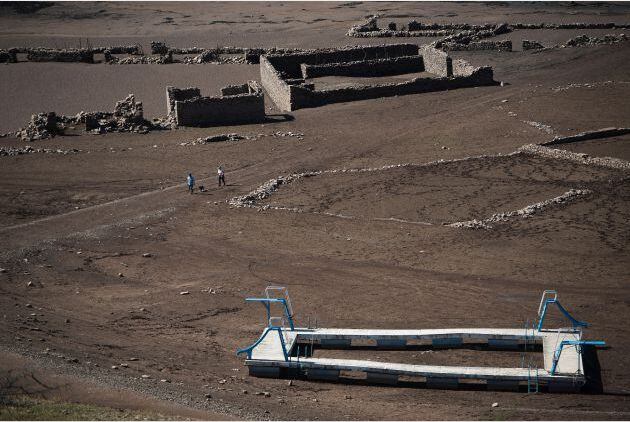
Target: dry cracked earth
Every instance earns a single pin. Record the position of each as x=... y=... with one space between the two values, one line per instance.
x=97 y=246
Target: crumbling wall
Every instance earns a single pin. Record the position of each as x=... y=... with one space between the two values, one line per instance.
x=236 y=89
x=436 y=61
x=246 y=107
x=585 y=40
x=368 y=68
x=531 y=45
x=70 y=55
x=8 y=56
x=179 y=94
x=504 y=45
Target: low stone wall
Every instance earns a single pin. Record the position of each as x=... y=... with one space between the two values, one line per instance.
x=290 y=64
x=134 y=49
x=585 y=136
x=436 y=61
x=301 y=97
x=50 y=55
x=574 y=25
x=368 y=68
x=532 y=45
x=8 y=56
x=370 y=29
x=505 y=45
x=218 y=111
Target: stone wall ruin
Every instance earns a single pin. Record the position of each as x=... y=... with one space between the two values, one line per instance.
x=283 y=78
x=238 y=104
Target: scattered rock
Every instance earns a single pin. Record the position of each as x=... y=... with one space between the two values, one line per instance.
x=495 y=404
x=145 y=376
x=185 y=292
x=208 y=395
x=266 y=394
x=146 y=255
x=120 y=275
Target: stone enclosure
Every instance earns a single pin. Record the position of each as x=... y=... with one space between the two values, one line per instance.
x=238 y=104
x=285 y=77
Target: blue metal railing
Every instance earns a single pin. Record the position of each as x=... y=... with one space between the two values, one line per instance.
x=544 y=305
x=267 y=302
x=577 y=343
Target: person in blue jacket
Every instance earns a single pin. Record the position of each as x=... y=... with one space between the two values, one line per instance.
x=191 y=182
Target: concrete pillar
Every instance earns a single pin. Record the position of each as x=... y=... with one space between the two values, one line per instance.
x=379 y=378
x=442 y=383
x=391 y=343
x=335 y=342
x=265 y=371
x=323 y=374
x=446 y=342
x=503 y=385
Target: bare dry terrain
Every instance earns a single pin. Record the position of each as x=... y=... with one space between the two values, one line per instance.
x=79 y=298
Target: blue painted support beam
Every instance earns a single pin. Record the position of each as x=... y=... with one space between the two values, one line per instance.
x=578 y=343
x=573 y=321
x=267 y=303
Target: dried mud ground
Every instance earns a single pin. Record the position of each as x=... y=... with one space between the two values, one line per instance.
x=79 y=298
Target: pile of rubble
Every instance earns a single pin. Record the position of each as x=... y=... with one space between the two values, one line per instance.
x=217 y=138
x=585 y=41
x=577 y=157
x=227 y=137
x=523 y=212
x=10 y=151
x=41 y=126
x=126 y=117
x=532 y=45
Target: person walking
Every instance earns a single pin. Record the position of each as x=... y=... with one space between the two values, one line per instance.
x=190 y=180
x=221 y=175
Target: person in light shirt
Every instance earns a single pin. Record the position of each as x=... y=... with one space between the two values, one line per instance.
x=221 y=175
x=190 y=180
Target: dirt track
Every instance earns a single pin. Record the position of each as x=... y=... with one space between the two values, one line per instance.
x=70 y=224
